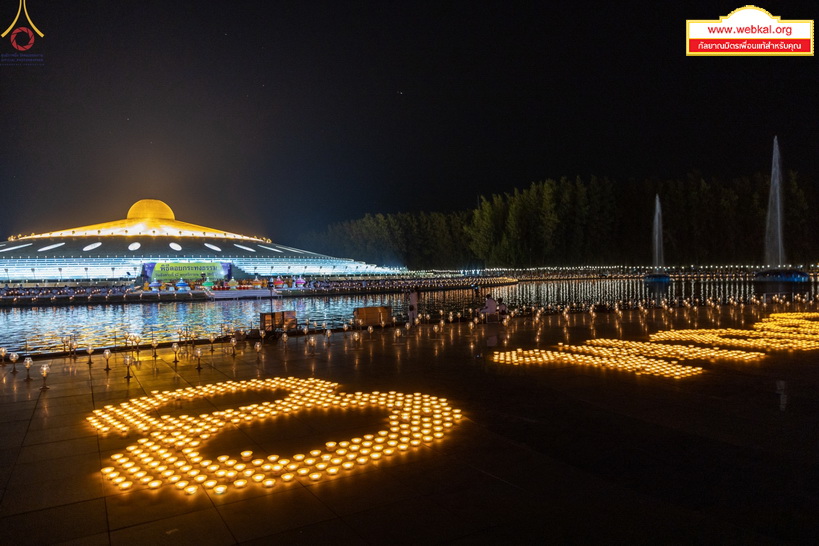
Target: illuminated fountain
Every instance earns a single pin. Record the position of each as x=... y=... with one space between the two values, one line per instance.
x=658 y=275
x=777 y=271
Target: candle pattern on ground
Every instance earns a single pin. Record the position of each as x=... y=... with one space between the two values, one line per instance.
x=778 y=332
x=169 y=454
x=580 y=355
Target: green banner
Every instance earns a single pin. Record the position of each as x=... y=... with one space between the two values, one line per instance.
x=189 y=271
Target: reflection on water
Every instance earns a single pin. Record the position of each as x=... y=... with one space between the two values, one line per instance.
x=587 y=292
x=37 y=330
x=41 y=329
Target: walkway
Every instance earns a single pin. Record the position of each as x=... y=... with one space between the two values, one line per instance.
x=558 y=454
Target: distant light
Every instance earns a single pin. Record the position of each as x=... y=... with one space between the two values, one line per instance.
x=244 y=247
x=134 y=246
x=175 y=246
x=92 y=246
x=213 y=247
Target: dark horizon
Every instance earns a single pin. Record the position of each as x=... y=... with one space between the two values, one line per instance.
x=279 y=119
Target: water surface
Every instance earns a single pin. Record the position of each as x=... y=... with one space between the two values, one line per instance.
x=41 y=329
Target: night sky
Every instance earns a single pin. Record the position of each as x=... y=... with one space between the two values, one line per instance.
x=272 y=118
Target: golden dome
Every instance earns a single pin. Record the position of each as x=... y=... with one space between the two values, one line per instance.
x=151 y=208
x=150 y=217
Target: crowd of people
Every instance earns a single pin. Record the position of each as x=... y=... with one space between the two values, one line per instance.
x=351 y=285
x=48 y=291
x=410 y=286
x=404 y=285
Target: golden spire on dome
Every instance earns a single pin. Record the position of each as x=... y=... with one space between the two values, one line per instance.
x=151 y=208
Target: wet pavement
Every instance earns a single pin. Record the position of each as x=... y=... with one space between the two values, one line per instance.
x=558 y=453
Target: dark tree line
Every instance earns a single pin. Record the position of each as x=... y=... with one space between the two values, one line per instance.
x=425 y=240
x=593 y=221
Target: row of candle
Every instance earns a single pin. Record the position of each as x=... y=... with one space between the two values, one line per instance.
x=750 y=339
x=680 y=352
x=780 y=331
x=601 y=357
x=170 y=454
x=798 y=325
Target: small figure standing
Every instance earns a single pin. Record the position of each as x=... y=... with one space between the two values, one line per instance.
x=490 y=310
x=413 y=305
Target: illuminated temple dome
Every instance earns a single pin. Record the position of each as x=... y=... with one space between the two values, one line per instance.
x=145 y=217
x=151 y=239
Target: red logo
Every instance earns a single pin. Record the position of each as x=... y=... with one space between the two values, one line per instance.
x=29 y=41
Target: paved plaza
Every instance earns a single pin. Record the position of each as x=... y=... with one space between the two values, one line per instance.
x=554 y=453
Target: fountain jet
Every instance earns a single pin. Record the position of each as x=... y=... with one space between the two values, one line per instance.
x=777 y=271
x=657 y=236
x=774 y=248
x=659 y=275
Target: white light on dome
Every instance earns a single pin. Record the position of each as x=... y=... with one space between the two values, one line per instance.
x=175 y=246
x=134 y=246
x=92 y=246
x=49 y=247
x=16 y=247
x=213 y=247
x=270 y=248
x=244 y=247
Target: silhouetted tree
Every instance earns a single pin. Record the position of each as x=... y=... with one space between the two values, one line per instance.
x=597 y=221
